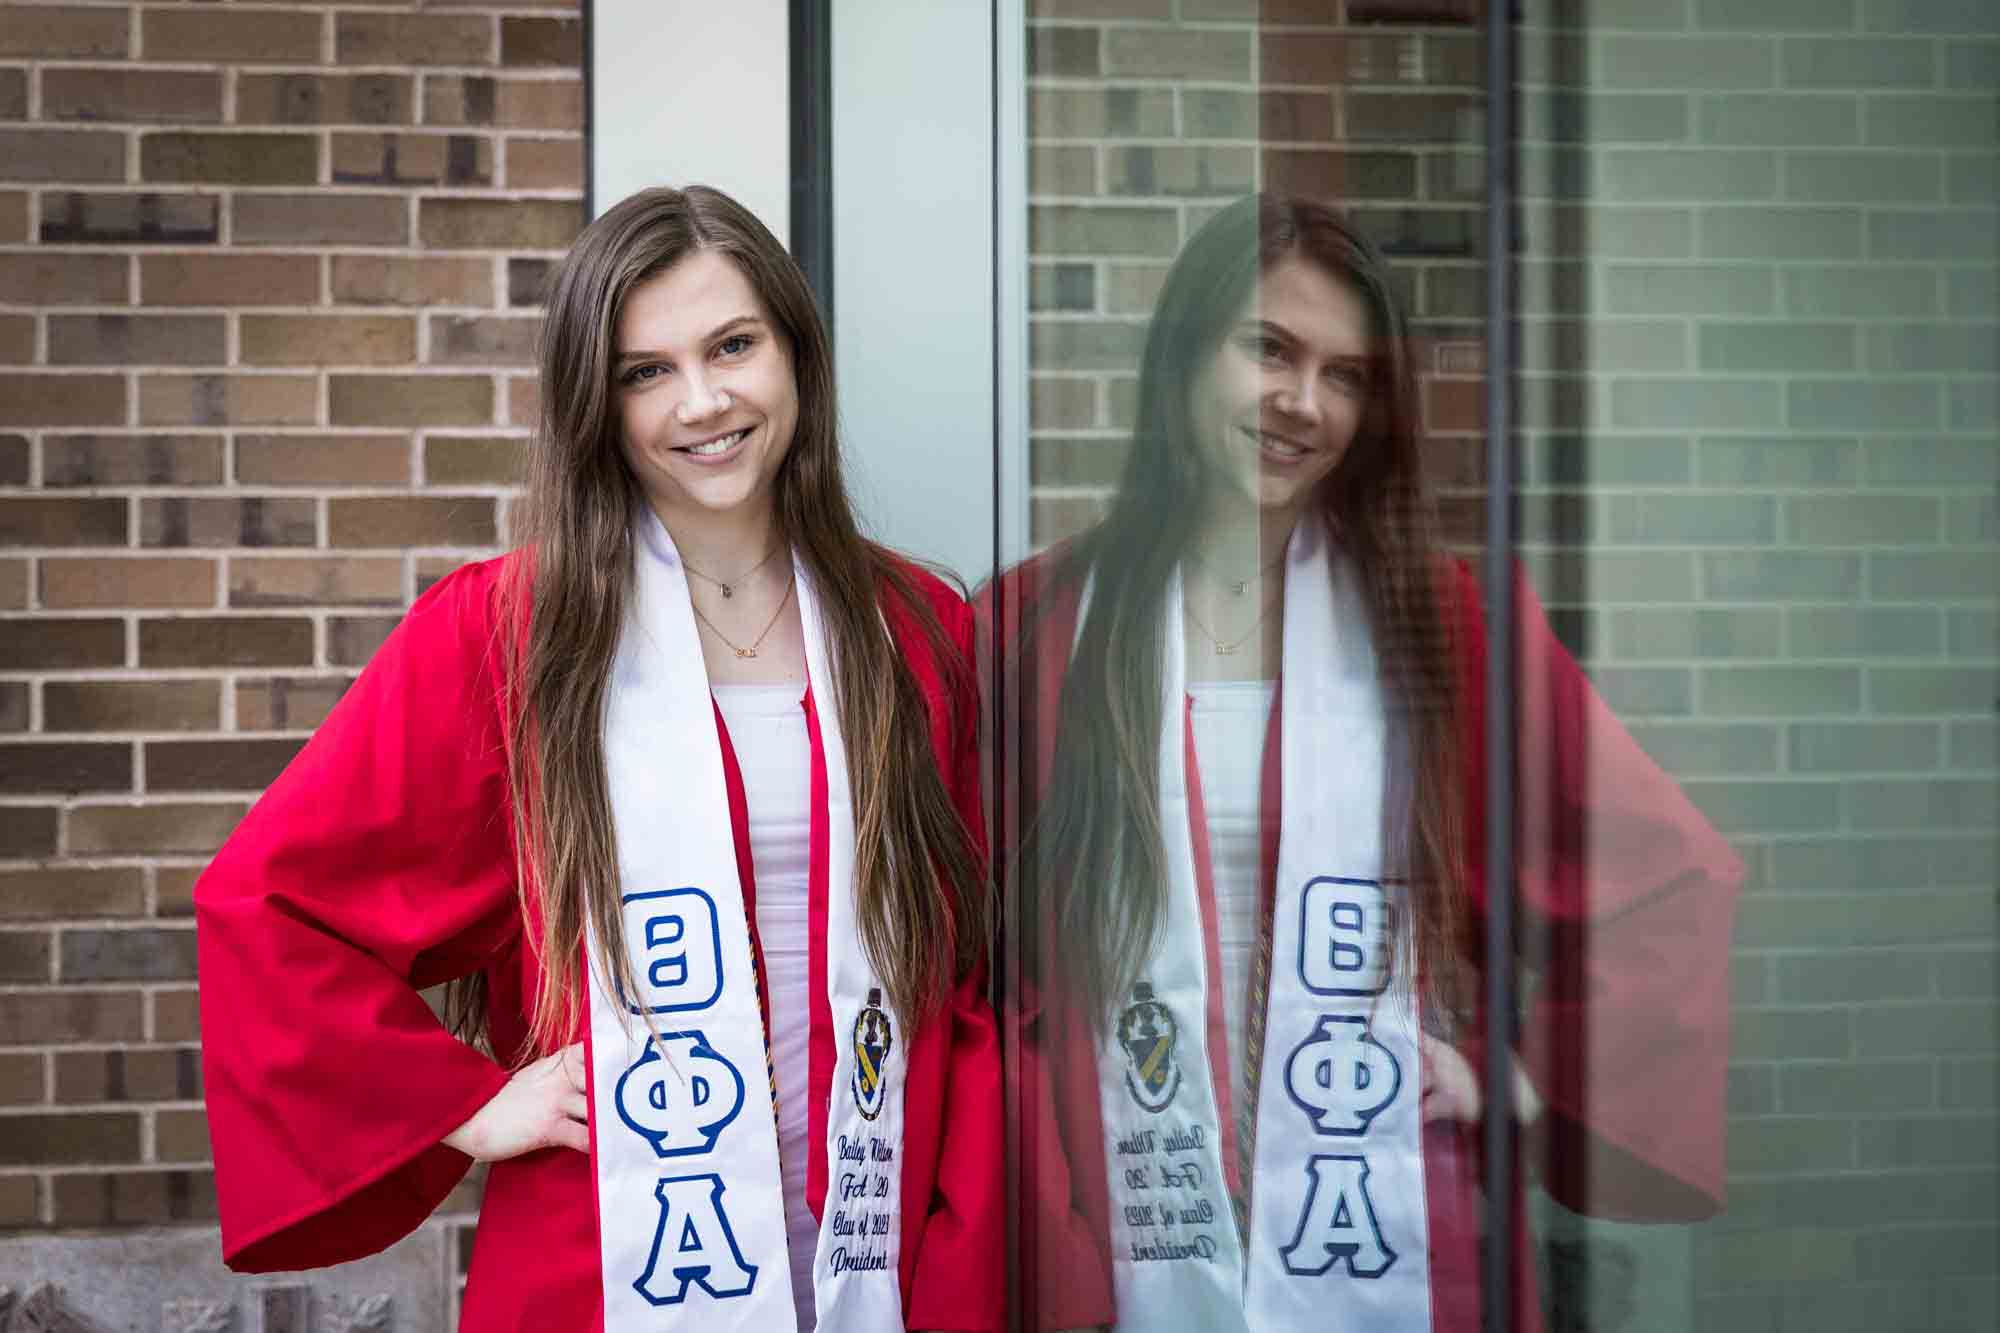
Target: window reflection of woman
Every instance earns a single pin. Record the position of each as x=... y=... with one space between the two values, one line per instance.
x=1255 y=732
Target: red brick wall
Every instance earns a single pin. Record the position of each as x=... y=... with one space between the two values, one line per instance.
x=268 y=284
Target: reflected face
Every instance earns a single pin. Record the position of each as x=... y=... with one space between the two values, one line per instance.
x=1283 y=396
x=702 y=381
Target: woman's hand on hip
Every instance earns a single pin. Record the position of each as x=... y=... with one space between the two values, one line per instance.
x=542 y=1106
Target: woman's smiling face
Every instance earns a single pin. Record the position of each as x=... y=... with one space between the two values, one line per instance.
x=1282 y=397
x=706 y=397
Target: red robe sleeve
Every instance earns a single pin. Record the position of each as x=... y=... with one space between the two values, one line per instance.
x=381 y=861
x=958 y=1277
x=1627 y=899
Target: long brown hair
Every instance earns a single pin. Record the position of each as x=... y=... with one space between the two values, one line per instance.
x=1094 y=862
x=920 y=899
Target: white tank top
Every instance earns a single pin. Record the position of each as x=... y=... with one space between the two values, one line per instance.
x=767 y=729
x=1230 y=719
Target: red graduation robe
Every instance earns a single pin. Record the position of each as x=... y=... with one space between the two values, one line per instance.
x=1626 y=1039
x=382 y=862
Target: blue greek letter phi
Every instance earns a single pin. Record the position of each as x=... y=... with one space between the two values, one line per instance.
x=704 y=1253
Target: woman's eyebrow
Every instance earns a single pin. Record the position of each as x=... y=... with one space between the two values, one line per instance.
x=727 y=326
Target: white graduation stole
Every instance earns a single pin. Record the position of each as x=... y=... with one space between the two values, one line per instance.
x=1337 y=1232
x=691 y=1215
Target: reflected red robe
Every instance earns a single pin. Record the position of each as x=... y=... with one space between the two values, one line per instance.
x=383 y=861
x=1625 y=895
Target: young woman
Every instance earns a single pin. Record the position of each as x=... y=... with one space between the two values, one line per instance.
x=682 y=798
x=1249 y=878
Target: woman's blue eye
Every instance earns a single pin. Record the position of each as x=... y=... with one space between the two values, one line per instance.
x=641 y=374
x=735 y=344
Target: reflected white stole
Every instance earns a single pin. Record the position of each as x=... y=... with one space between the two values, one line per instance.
x=1337 y=1236
x=690 y=1203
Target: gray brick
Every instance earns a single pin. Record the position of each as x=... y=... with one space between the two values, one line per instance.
x=1926 y=1141
x=1752 y=1090
x=1975 y=745
x=1694 y=404
x=1940 y=803
x=1132 y=289
x=1598 y=118
x=1863 y=747
x=1913 y=121
x=1789 y=1034
x=1973 y=179
x=1749 y=980
x=1973 y=293
x=1101 y=113
x=127 y=955
x=1847 y=864
x=1930 y=1029
x=1932 y=576
x=1558 y=402
x=1809 y=461
x=1964 y=973
x=1972 y=64
x=1852 y=976
x=1557 y=289
x=1927 y=348
x=1606 y=15
x=1965 y=1084
x=1783 y=576
x=1062 y=170
x=1169 y=170
x=1215 y=54
x=1764 y=806
x=1972 y=520
x=1686 y=62
x=1862 y=177
x=1085 y=346
x=1972 y=633
x=1938 y=1251
x=1858 y=62
x=1873 y=291
x=1780 y=691
x=1903 y=917
x=1862 y=520
x=1972 y=17
x=1721 y=174
x=1589 y=576
x=1645 y=691
x=1608 y=460
x=1693 y=520
x=1966 y=1305
x=1930 y=235
x=1933 y=690
x=1975 y=406
x=1061 y=287
x=1878 y=405
x=1781 y=233
x=1600 y=345
x=1933 y=462
x=1785 y=346
x=1690 y=632
x=1064 y=229
x=1702 y=750
x=1606 y=232
x=1967 y=862
x=1789 y=1143
x=1817 y=632
x=1688 y=289
x=1776 y=15
x=1556 y=171
x=1784 y=120
x=1221 y=113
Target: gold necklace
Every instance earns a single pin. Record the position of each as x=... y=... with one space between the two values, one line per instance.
x=757 y=642
x=1237 y=586
x=1226 y=649
x=729 y=588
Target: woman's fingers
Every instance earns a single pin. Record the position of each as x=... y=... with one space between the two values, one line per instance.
x=570 y=1134
x=575 y=1106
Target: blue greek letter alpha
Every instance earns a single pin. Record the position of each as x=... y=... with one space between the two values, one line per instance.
x=703 y=1253
x=1337 y=1224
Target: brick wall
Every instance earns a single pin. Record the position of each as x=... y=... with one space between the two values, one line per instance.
x=268 y=286
x=1761 y=354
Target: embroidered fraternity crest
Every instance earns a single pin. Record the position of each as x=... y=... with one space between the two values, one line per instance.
x=1146 y=1032
x=873 y=1040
